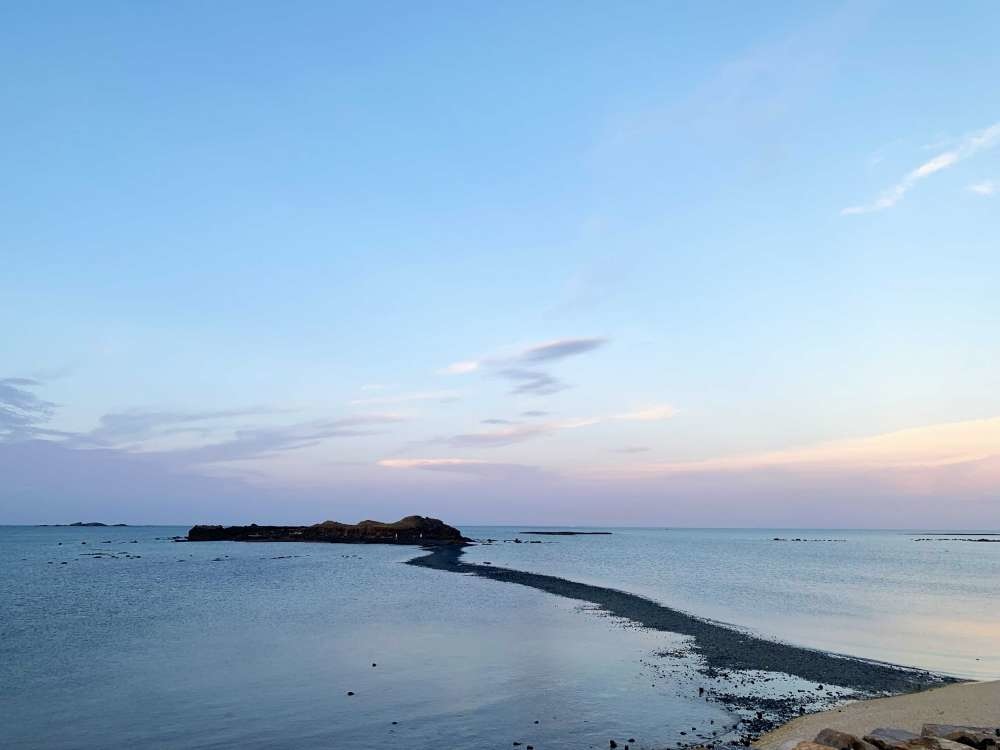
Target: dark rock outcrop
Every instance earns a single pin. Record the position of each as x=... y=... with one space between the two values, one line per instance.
x=409 y=530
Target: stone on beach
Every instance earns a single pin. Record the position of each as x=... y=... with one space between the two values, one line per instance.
x=982 y=738
x=842 y=740
x=963 y=705
x=934 y=737
x=887 y=738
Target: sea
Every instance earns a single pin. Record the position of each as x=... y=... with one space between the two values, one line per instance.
x=121 y=637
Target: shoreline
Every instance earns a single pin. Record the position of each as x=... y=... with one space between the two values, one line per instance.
x=966 y=703
x=723 y=650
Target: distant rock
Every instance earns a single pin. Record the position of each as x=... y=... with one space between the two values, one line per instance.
x=409 y=530
x=568 y=533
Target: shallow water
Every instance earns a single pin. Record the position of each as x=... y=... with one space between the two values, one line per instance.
x=214 y=645
x=177 y=650
x=876 y=594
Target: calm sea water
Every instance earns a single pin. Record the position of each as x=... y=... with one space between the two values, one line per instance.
x=137 y=641
x=874 y=594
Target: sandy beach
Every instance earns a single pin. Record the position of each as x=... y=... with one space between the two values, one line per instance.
x=968 y=703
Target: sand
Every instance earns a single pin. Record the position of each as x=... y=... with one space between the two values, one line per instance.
x=971 y=703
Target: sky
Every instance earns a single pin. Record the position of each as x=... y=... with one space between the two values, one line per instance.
x=646 y=263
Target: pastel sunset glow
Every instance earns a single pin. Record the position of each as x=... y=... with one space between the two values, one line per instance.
x=341 y=263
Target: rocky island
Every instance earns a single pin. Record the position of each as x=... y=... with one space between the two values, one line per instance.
x=409 y=530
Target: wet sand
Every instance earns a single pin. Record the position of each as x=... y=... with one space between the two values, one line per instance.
x=969 y=703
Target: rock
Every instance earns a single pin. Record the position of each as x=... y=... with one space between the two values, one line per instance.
x=885 y=738
x=612 y=744
x=982 y=738
x=935 y=743
x=810 y=745
x=350 y=692
x=842 y=741
x=409 y=530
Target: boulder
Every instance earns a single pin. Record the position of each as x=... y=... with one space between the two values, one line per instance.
x=810 y=745
x=935 y=743
x=842 y=741
x=885 y=738
x=983 y=738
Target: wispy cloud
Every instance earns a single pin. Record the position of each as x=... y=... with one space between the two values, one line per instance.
x=497 y=421
x=522 y=366
x=510 y=434
x=534 y=413
x=22 y=413
x=967 y=147
x=497 y=438
x=136 y=425
x=560 y=349
x=260 y=442
x=135 y=431
x=532 y=382
x=986 y=187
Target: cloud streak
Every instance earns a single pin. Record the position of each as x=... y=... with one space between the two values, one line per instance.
x=22 y=413
x=986 y=187
x=522 y=367
x=969 y=146
x=560 y=349
x=532 y=382
x=136 y=425
x=262 y=442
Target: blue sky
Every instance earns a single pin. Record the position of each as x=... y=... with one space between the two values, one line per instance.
x=704 y=263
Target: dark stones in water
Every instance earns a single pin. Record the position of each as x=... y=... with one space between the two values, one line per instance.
x=350 y=692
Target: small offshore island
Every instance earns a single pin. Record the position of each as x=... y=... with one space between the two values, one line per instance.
x=409 y=530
